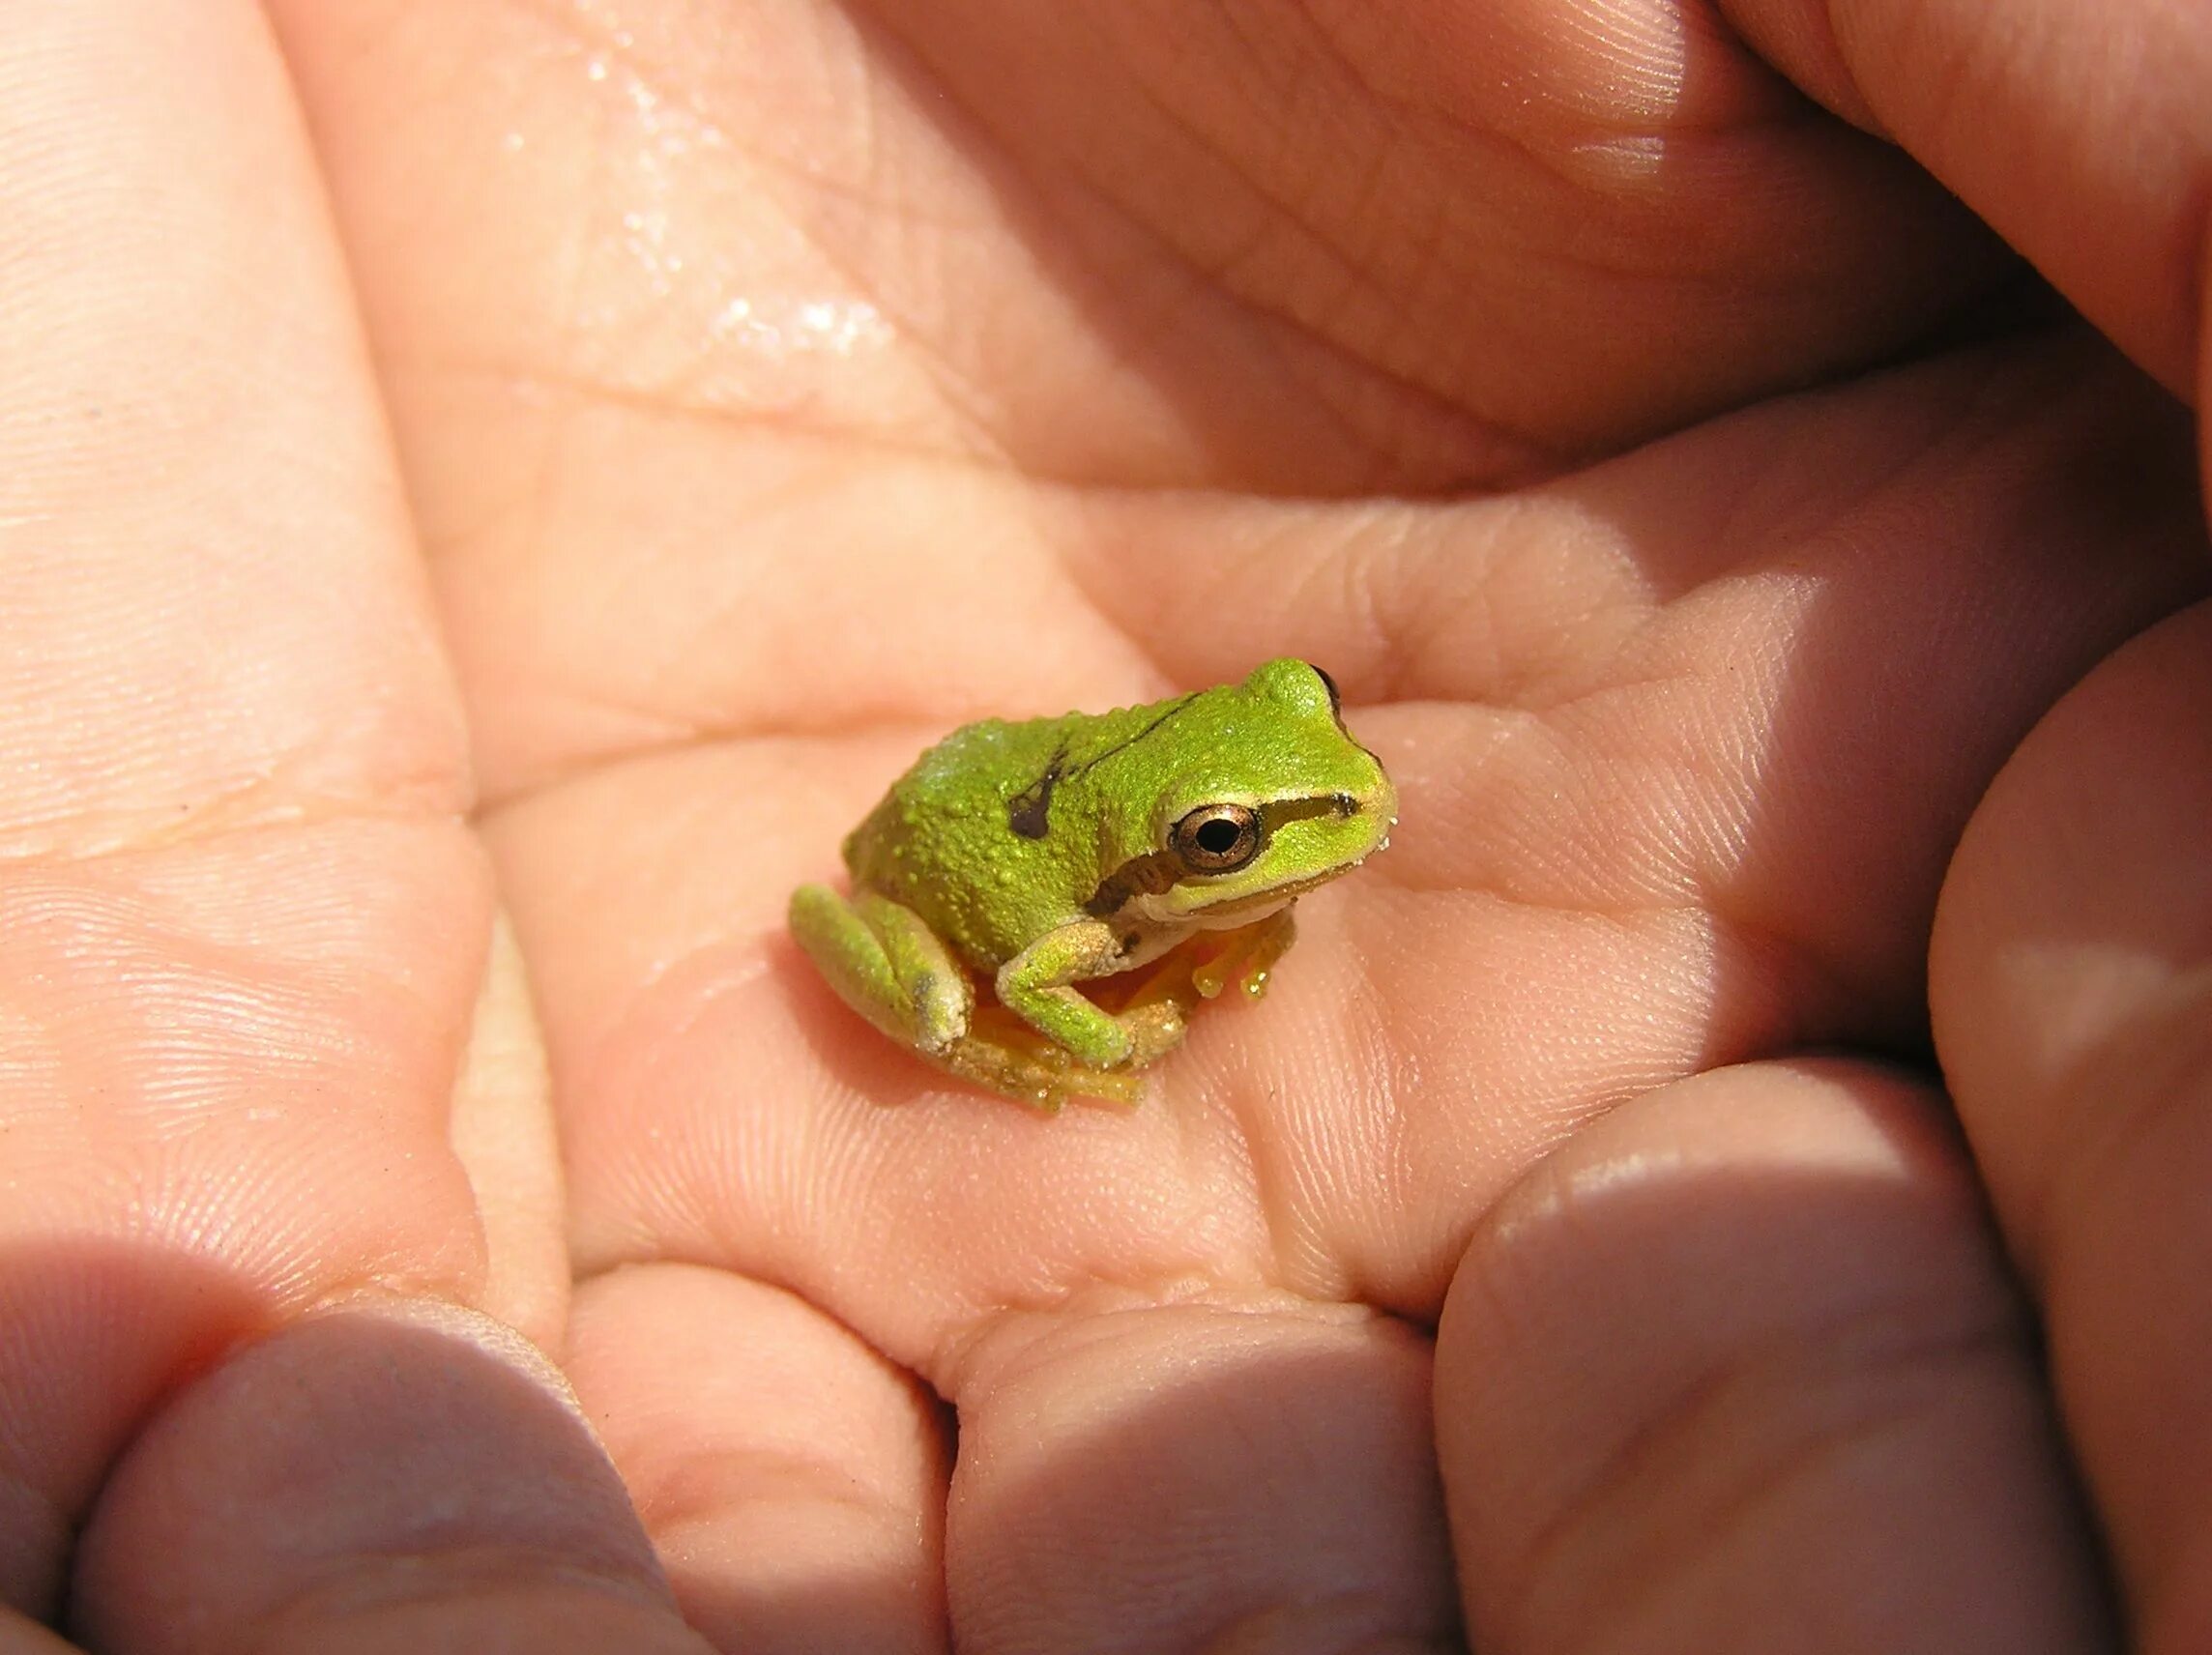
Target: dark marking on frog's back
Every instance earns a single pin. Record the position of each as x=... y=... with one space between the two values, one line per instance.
x=1028 y=812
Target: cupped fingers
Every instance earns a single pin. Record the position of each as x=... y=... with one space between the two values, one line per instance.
x=383 y=1477
x=1741 y=1368
x=1220 y=1474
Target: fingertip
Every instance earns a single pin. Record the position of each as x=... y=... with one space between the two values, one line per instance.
x=388 y=1475
x=792 y=1478
x=1742 y=1369
x=1224 y=1473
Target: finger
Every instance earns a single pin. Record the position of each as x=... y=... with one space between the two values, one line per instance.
x=1740 y=1369
x=2079 y=129
x=792 y=1480
x=214 y=615
x=243 y=921
x=2073 y=1004
x=1197 y=1476
x=386 y=1477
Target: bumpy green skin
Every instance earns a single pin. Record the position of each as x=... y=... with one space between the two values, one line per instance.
x=1038 y=854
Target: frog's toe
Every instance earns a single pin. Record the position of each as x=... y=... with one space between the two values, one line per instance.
x=941 y=1002
x=1154 y=1031
x=1118 y=1087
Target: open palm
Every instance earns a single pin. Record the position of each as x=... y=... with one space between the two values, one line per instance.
x=778 y=387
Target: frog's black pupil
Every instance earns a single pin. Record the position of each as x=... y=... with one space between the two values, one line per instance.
x=1218 y=837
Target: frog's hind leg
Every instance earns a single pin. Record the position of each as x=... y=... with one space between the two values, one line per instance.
x=886 y=965
x=1003 y=1055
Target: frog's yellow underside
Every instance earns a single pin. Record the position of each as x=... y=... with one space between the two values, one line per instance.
x=1158 y=845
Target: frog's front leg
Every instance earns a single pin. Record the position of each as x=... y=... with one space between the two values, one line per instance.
x=1207 y=962
x=1246 y=955
x=1036 y=986
x=886 y=964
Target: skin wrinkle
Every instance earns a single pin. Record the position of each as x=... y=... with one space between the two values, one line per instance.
x=1249 y=303
x=242 y=811
x=958 y=395
x=686 y=734
x=949 y=384
x=1281 y=211
x=689 y=732
x=788 y=423
x=1509 y=470
x=1272 y=1202
x=710 y=1482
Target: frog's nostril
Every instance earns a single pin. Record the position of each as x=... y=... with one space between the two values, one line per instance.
x=1346 y=804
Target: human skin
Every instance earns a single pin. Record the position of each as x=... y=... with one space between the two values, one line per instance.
x=566 y=458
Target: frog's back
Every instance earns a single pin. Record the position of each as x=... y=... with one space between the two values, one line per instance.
x=941 y=841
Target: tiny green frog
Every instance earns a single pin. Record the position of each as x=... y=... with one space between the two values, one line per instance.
x=1159 y=847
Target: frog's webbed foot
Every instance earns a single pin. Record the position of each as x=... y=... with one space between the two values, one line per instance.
x=1156 y=1027
x=1004 y=1055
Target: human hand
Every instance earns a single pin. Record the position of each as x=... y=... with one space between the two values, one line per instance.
x=779 y=390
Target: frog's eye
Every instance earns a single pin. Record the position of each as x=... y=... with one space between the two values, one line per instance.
x=1216 y=838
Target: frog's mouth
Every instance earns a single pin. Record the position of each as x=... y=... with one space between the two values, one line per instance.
x=1159 y=908
x=1239 y=909
x=1243 y=910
